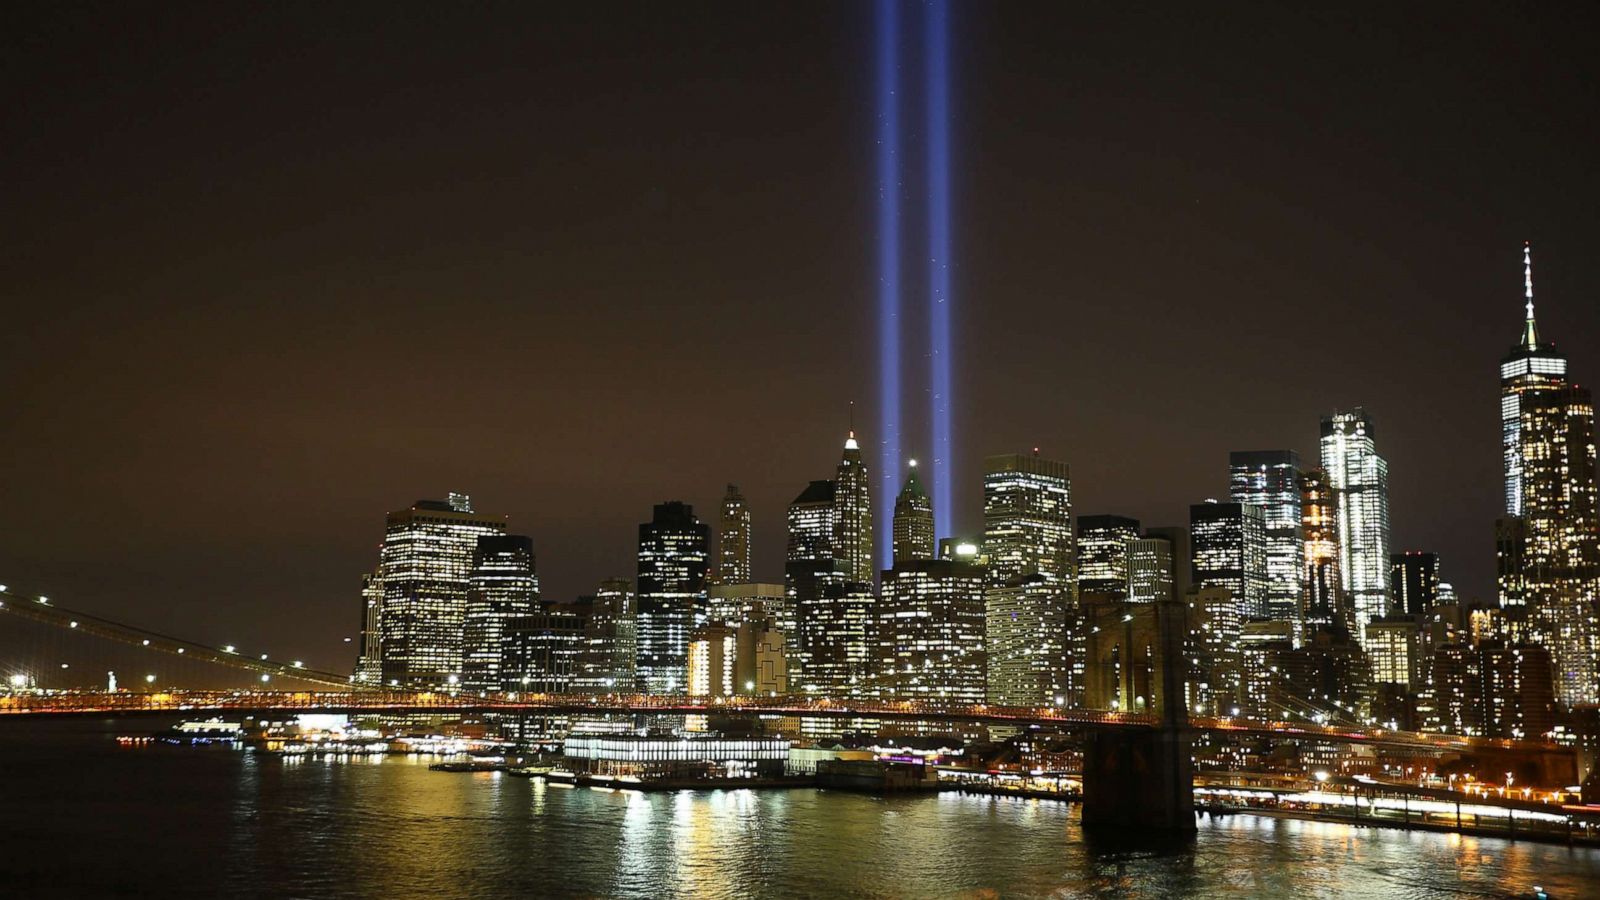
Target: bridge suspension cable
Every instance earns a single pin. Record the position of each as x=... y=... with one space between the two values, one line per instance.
x=39 y=608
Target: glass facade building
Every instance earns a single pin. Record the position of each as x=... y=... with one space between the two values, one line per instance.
x=930 y=632
x=1103 y=553
x=1359 y=478
x=1270 y=479
x=1229 y=550
x=733 y=540
x=504 y=587
x=671 y=594
x=425 y=566
x=1027 y=551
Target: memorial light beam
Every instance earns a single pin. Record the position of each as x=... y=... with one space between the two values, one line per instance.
x=888 y=21
x=936 y=53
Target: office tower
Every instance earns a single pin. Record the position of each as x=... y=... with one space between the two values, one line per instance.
x=1216 y=683
x=1549 y=543
x=424 y=566
x=1270 y=479
x=913 y=521
x=610 y=641
x=671 y=593
x=733 y=540
x=852 y=537
x=1518 y=696
x=369 y=663
x=1560 y=540
x=542 y=652
x=1360 y=481
x=1177 y=536
x=1532 y=368
x=810 y=565
x=1027 y=551
x=1413 y=582
x=1261 y=643
x=1150 y=570
x=504 y=587
x=1323 y=602
x=1230 y=551
x=835 y=621
x=1103 y=553
x=1392 y=651
x=930 y=631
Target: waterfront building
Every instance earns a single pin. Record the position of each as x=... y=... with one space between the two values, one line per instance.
x=1230 y=551
x=542 y=651
x=369 y=662
x=1359 y=478
x=930 y=627
x=1270 y=479
x=1103 y=553
x=608 y=663
x=1027 y=555
x=425 y=566
x=1150 y=570
x=671 y=594
x=504 y=587
x=687 y=755
x=852 y=536
x=1413 y=582
x=836 y=622
x=913 y=521
x=733 y=539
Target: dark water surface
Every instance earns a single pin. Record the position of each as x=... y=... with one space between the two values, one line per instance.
x=83 y=817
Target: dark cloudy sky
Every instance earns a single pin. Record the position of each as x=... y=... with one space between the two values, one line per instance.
x=270 y=272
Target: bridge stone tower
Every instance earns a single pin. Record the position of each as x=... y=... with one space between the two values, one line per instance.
x=1139 y=777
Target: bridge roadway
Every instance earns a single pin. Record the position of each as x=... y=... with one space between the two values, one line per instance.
x=266 y=702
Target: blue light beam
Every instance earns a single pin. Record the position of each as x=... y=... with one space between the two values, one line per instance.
x=888 y=20
x=937 y=74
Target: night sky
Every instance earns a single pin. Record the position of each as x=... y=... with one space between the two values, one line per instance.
x=270 y=273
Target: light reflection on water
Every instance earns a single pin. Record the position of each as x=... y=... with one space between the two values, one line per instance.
x=162 y=821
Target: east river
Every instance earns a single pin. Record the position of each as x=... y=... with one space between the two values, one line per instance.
x=84 y=817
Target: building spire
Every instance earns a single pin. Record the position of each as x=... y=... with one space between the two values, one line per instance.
x=1530 y=332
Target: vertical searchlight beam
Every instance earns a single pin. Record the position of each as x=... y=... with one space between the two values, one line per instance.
x=937 y=60
x=888 y=22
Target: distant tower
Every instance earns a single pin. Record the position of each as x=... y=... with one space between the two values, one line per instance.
x=913 y=521
x=733 y=541
x=1270 y=479
x=424 y=568
x=852 y=542
x=1230 y=551
x=1531 y=369
x=1413 y=582
x=369 y=664
x=1360 y=481
x=504 y=588
x=671 y=591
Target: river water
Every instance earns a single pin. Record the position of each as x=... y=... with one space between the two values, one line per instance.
x=84 y=817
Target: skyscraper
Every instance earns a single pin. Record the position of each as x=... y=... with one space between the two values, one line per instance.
x=1324 y=601
x=913 y=520
x=1103 y=553
x=672 y=584
x=852 y=540
x=1531 y=369
x=504 y=587
x=424 y=566
x=930 y=631
x=1150 y=570
x=1027 y=543
x=1549 y=543
x=610 y=647
x=1360 y=481
x=809 y=566
x=369 y=664
x=1270 y=479
x=733 y=540
x=1230 y=551
x=1413 y=582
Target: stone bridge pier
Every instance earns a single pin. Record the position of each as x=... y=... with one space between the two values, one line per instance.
x=1139 y=777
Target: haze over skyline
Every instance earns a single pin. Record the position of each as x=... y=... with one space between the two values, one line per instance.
x=273 y=273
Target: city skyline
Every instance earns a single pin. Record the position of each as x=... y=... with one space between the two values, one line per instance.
x=1047 y=304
